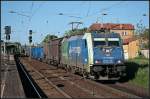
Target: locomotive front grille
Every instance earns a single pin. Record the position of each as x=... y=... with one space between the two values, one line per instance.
x=108 y=61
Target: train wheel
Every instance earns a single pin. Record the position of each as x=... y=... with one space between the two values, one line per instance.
x=84 y=75
x=96 y=76
x=72 y=70
x=69 y=68
x=87 y=75
x=66 y=69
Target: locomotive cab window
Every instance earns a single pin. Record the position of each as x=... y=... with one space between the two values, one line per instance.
x=99 y=42
x=113 y=42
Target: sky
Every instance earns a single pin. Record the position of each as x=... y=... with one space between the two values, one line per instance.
x=43 y=16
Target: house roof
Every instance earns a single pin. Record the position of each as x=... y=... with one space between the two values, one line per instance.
x=112 y=26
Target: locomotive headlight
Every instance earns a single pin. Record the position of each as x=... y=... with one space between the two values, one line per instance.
x=103 y=49
x=97 y=61
x=107 y=50
x=119 y=61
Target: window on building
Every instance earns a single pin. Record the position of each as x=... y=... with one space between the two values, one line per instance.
x=124 y=33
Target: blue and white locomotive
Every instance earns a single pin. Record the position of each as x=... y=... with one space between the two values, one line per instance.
x=94 y=54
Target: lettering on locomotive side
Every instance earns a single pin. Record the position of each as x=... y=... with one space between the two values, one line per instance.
x=75 y=50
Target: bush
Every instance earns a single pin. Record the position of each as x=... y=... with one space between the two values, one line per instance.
x=142 y=75
x=141 y=78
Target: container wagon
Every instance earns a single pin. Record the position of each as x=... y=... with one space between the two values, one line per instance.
x=37 y=53
x=53 y=51
x=46 y=51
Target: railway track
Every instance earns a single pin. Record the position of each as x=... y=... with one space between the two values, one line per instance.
x=70 y=85
x=30 y=87
x=57 y=83
x=47 y=86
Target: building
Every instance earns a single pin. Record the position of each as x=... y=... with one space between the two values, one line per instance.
x=126 y=31
x=145 y=52
x=10 y=47
x=131 y=47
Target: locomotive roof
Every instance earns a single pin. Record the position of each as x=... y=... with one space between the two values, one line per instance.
x=106 y=35
x=75 y=37
x=100 y=35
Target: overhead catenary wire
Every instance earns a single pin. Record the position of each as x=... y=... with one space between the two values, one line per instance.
x=88 y=8
x=82 y=3
x=103 y=9
x=31 y=9
x=33 y=13
x=110 y=7
x=99 y=12
x=40 y=5
x=32 y=4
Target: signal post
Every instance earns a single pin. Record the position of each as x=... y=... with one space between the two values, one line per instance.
x=7 y=33
x=30 y=41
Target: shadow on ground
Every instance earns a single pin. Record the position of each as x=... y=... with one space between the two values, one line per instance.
x=131 y=70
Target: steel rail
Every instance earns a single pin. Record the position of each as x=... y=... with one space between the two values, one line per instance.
x=30 y=80
x=58 y=89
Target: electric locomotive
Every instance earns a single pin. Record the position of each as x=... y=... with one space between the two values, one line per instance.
x=108 y=56
x=94 y=54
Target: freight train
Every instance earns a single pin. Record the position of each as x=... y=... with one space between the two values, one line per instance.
x=99 y=55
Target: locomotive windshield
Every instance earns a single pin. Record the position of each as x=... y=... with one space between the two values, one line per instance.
x=106 y=42
x=113 y=43
x=99 y=43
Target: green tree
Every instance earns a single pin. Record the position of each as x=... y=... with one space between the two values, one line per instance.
x=145 y=34
x=144 y=38
x=140 y=29
x=49 y=37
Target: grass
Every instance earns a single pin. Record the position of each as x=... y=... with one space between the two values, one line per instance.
x=142 y=74
x=141 y=78
x=140 y=60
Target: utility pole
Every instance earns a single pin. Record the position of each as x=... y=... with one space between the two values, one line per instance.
x=4 y=49
x=103 y=14
x=30 y=41
x=77 y=24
